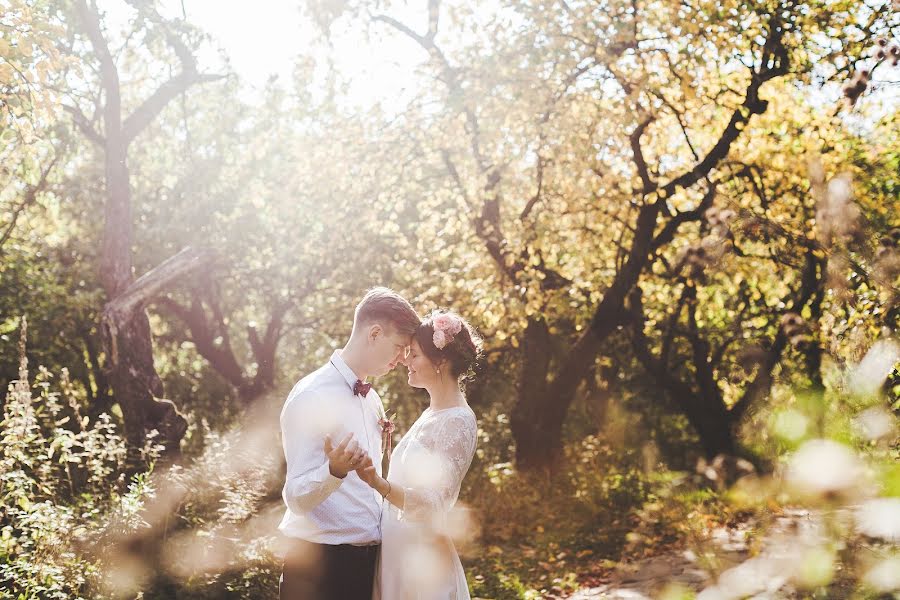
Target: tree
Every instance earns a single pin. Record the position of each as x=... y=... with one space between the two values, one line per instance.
x=126 y=328
x=608 y=126
x=28 y=62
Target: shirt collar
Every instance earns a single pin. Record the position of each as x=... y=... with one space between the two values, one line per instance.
x=342 y=368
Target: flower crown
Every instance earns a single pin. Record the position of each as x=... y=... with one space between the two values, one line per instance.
x=446 y=326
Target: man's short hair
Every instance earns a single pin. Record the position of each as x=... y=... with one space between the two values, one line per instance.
x=385 y=306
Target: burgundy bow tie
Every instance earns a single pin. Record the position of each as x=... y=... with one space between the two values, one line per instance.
x=361 y=389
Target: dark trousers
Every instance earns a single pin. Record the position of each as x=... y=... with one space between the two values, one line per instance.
x=325 y=572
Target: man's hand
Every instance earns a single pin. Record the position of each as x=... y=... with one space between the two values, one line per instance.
x=344 y=458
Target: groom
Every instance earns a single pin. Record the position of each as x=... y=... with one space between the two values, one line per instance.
x=329 y=426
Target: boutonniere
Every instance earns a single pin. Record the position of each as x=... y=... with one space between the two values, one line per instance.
x=387 y=431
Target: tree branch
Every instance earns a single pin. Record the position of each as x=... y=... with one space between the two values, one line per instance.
x=540 y=187
x=109 y=75
x=434 y=12
x=666 y=346
x=152 y=106
x=149 y=285
x=30 y=196
x=700 y=348
x=773 y=63
x=810 y=281
x=84 y=124
x=667 y=234
x=638 y=153
x=203 y=334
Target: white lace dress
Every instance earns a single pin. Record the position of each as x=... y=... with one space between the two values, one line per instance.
x=418 y=560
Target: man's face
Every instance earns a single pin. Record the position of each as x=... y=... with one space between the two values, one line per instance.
x=389 y=348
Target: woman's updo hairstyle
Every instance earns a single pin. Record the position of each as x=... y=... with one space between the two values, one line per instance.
x=461 y=345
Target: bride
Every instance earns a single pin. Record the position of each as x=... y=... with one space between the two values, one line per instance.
x=418 y=560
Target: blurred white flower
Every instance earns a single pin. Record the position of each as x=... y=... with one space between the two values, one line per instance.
x=192 y=553
x=885 y=576
x=758 y=575
x=325 y=420
x=839 y=190
x=712 y=593
x=816 y=170
x=816 y=568
x=425 y=469
x=125 y=575
x=837 y=215
x=875 y=423
x=873 y=369
x=822 y=467
x=425 y=567
x=880 y=518
x=791 y=425
x=461 y=525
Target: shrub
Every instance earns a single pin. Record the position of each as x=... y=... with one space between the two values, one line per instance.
x=62 y=485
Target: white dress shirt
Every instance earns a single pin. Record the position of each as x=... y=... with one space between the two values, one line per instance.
x=320 y=507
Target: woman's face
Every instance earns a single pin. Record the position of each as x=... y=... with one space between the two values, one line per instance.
x=422 y=372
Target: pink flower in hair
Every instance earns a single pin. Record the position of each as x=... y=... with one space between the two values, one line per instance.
x=447 y=323
x=445 y=329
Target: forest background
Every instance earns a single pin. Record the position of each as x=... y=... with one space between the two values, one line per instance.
x=674 y=222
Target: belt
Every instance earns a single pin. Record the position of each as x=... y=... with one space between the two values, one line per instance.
x=363 y=546
x=352 y=549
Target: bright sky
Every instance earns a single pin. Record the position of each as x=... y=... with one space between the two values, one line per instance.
x=265 y=37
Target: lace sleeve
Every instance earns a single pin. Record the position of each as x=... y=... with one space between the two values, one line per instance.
x=450 y=442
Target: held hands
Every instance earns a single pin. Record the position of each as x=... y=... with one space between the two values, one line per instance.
x=345 y=457
x=381 y=485
x=348 y=456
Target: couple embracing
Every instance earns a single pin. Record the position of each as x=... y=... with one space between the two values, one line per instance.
x=355 y=532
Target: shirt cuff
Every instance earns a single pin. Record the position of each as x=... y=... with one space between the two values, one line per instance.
x=329 y=481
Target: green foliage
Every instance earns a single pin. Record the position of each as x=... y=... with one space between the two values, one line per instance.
x=69 y=508
x=63 y=488
x=508 y=188
x=551 y=528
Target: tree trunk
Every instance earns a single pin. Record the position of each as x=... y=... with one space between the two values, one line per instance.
x=126 y=328
x=102 y=401
x=536 y=446
x=541 y=407
x=708 y=416
x=129 y=354
x=135 y=384
x=127 y=339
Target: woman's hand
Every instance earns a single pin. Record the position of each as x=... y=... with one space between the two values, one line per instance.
x=394 y=495
x=367 y=473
